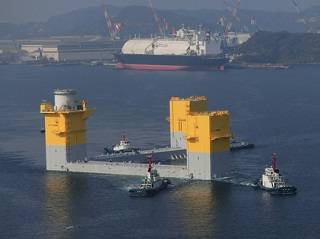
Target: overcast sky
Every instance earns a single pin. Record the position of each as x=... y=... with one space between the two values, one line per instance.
x=41 y=10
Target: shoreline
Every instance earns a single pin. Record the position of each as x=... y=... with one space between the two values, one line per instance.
x=236 y=65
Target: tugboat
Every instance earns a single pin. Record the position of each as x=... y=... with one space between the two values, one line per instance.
x=273 y=182
x=123 y=147
x=238 y=145
x=151 y=183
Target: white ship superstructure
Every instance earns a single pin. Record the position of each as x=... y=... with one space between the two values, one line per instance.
x=185 y=42
x=273 y=181
x=123 y=146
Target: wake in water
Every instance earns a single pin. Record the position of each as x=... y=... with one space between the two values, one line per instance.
x=176 y=183
x=237 y=181
x=235 y=178
x=180 y=183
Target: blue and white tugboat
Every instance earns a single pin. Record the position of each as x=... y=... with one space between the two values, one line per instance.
x=151 y=184
x=273 y=182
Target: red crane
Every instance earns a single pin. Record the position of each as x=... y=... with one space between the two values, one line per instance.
x=156 y=18
x=233 y=9
x=113 y=28
x=302 y=18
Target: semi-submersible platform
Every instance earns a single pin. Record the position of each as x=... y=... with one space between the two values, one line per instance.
x=203 y=136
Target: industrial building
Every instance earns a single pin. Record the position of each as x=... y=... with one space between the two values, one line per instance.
x=236 y=38
x=71 y=51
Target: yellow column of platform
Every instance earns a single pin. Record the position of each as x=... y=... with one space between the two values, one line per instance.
x=65 y=135
x=220 y=131
x=179 y=109
x=208 y=136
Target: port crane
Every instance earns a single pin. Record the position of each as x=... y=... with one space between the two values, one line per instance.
x=233 y=10
x=156 y=18
x=302 y=19
x=113 y=28
x=253 y=24
x=233 y=7
x=298 y=10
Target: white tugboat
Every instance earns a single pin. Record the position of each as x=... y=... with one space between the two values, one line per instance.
x=123 y=147
x=273 y=181
x=151 y=183
x=125 y=151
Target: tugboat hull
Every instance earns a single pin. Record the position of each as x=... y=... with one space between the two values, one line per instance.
x=148 y=192
x=287 y=190
x=290 y=190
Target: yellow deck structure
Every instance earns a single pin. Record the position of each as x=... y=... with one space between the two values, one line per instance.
x=65 y=129
x=205 y=136
x=180 y=108
x=208 y=140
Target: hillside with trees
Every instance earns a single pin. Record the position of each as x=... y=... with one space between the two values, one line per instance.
x=281 y=47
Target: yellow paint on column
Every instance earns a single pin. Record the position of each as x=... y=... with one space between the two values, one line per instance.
x=65 y=127
x=181 y=107
x=208 y=132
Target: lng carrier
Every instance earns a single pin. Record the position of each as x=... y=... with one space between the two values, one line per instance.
x=185 y=50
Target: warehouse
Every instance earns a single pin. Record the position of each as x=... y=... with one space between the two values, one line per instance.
x=101 y=50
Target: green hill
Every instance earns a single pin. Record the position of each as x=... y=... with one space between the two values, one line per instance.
x=281 y=47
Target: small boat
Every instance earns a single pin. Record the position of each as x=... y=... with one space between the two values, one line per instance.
x=273 y=182
x=151 y=184
x=42 y=130
x=123 y=147
x=238 y=145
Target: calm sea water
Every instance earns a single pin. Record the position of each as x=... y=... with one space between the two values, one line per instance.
x=277 y=110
